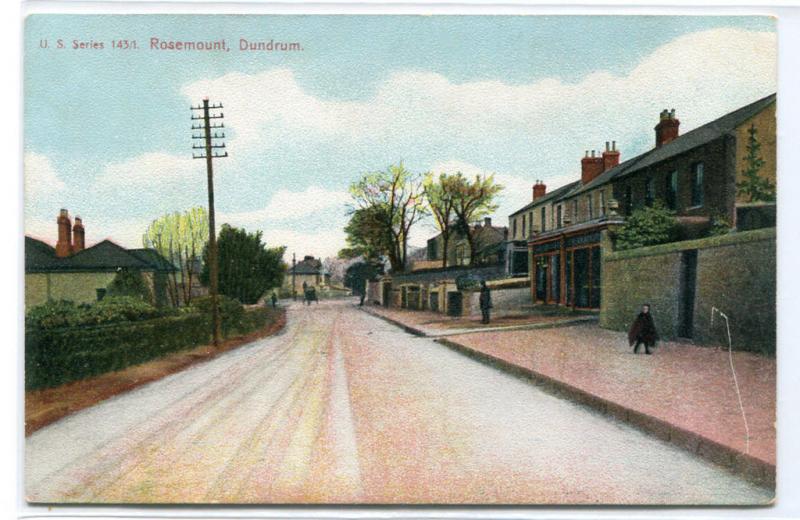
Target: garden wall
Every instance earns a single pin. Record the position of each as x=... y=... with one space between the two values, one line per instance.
x=735 y=273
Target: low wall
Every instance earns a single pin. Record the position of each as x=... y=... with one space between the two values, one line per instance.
x=502 y=299
x=735 y=273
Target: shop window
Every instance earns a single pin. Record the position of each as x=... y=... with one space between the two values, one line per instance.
x=555 y=278
x=541 y=278
x=594 y=296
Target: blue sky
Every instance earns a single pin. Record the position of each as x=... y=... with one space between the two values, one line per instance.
x=107 y=131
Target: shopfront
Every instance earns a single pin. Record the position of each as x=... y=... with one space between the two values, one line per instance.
x=566 y=268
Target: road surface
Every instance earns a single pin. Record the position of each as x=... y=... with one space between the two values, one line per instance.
x=345 y=408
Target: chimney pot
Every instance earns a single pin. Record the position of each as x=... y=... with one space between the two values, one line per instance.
x=78 y=235
x=64 y=243
x=667 y=128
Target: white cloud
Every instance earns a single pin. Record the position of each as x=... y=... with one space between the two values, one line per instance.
x=41 y=178
x=150 y=169
x=321 y=244
x=287 y=205
x=703 y=73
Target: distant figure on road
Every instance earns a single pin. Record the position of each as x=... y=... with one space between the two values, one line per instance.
x=310 y=295
x=643 y=330
x=363 y=295
x=485 y=302
x=274 y=300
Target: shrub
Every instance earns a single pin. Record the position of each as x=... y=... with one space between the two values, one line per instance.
x=648 y=226
x=719 y=226
x=128 y=282
x=56 y=356
x=62 y=313
x=231 y=310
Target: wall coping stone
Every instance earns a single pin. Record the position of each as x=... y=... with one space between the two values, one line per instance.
x=739 y=237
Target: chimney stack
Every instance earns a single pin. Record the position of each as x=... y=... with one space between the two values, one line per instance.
x=64 y=244
x=667 y=127
x=610 y=156
x=78 y=242
x=591 y=167
x=539 y=190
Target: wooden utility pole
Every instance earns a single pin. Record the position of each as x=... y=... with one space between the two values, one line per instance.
x=209 y=154
x=294 y=286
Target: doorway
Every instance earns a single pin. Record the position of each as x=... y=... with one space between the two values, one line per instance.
x=688 y=282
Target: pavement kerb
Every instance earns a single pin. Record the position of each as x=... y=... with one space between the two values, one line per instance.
x=460 y=332
x=751 y=468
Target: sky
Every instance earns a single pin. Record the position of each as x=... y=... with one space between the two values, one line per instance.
x=107 y=131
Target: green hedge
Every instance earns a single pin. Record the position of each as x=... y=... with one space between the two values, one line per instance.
x=59 y=355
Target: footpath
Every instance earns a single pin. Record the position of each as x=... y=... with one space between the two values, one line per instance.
x=682 y=394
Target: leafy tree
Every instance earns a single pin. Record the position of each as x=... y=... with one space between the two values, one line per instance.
x=356 y=275
x=247 y=268
x=472 y=200
x=439 y=194
x=753 y=186
x=395 y=201
x=648 y=226
x=368 y=234
x=180 y=238
x=129 y=282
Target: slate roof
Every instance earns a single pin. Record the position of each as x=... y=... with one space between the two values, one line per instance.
x=103 y=256
x=556 y=193
x=699 y=136
x=307 y=266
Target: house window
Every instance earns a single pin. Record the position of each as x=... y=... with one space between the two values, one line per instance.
x=697 y=184
x=514 y=227
x=628 y=200
x=523 y=224
x=602 y=207
x=649 y=192
x=671 y=186
x=575 y=211
x=589 y=211
x=544 y=218
x=530 y=224
x=559 y=222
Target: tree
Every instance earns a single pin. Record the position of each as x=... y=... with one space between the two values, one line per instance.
x=368 y=234
x=357 y=274
x=439 y=194
x=247 y=268
x=180 y=238
x=472 y=200
x=128 y=282
x=753 y=186
x=648 y=226
x=394 y=199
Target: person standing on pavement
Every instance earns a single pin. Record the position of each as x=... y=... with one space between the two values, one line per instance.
x=274 y=300
x=485 y=301
x=643 y=331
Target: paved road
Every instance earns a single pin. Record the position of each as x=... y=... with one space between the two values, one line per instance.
x=343 y=407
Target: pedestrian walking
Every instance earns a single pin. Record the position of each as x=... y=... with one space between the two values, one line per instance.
x=643 y=331
x=274 y=300
x=485 y=301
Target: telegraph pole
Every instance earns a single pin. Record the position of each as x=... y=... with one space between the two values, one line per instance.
x=294 y=286
x=209 y=153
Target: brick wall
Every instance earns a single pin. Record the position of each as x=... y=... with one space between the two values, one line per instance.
x=735 y=273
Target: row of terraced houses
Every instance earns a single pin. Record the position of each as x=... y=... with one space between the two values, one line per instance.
x=555 y=249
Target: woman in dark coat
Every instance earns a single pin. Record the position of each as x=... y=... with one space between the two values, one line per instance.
x=643 y=330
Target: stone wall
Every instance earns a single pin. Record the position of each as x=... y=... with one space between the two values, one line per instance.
x=736 y=273
x=502 y=300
